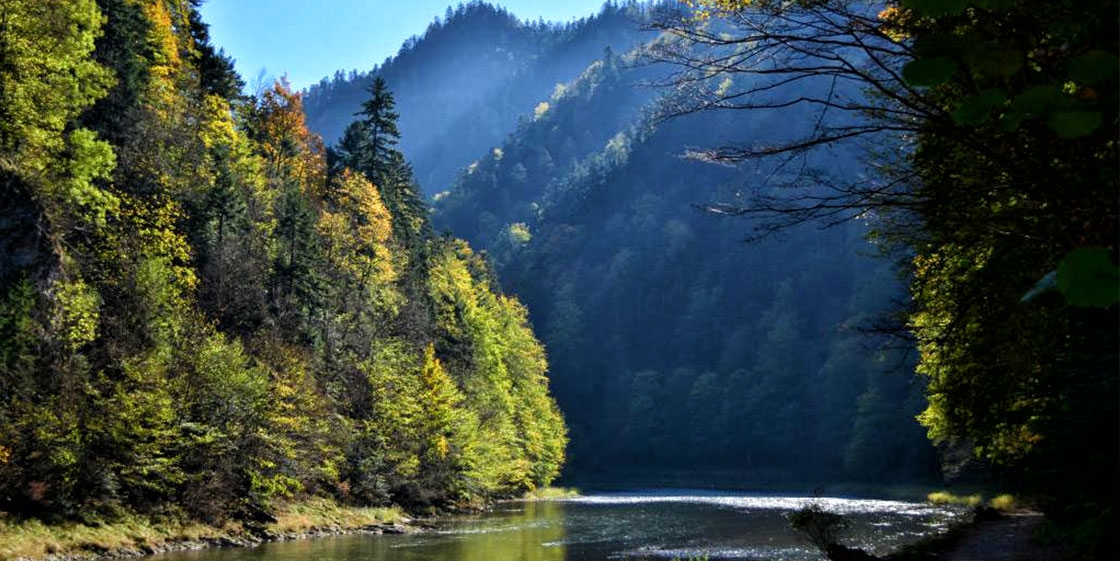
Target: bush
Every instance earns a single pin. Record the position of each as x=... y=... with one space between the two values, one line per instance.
x=823 y=528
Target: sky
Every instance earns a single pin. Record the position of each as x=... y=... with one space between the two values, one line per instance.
x=311 y=39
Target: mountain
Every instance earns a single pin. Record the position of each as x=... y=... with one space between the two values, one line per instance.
x=205 y=316
x=672 y=343
x=465 y=81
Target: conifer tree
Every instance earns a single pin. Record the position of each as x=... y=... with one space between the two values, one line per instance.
x=369 y=146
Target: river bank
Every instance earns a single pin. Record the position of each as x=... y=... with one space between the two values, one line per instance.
x=988 y=535
x=639 y=525
x=135 y=536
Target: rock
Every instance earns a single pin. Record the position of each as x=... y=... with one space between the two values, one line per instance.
x=395 y=529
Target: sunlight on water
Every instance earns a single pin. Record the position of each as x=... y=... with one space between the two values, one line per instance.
x=763 y=502
x=767 y=553
x=643 y=525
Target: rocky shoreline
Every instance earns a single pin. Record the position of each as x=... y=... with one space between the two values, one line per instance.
x=250 y=540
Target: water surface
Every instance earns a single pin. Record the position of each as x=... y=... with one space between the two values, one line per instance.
x=636 y=525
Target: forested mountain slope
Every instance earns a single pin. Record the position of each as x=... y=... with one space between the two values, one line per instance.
x=673 y=342
x=467 y=79
x=199 y=314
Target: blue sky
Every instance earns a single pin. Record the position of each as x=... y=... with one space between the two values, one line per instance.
x=310 y=39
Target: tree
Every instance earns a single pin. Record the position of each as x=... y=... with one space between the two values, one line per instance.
x=1005 y=117
x=368 y=146
x=378 y=128
x=198 y=317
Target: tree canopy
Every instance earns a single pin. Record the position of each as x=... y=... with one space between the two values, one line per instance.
x=201 y=317
x=1001 y=197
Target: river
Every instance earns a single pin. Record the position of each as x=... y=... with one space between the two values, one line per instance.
x=659 y=524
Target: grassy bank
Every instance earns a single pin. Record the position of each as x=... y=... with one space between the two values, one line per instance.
x=999 y=502
x=547 y=493
x=32 y=539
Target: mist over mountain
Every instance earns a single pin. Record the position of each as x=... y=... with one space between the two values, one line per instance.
x=464 y=83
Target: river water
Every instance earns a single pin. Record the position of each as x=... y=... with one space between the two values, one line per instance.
x=663 y=524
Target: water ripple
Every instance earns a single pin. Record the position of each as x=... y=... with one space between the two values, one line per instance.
x=761 y=502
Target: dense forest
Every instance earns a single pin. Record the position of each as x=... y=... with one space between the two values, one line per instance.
x=939 y=176
x=797 y=242
x=989 y=132
x=206 y=310
x=473 y=74
x=673 y=344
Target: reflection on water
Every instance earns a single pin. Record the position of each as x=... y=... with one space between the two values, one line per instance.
x=646 y=525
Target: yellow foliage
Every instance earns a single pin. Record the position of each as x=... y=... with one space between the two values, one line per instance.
x=163 y=96
x=47 y=77
x=290 y=149
x=155 y=220
x=1003 y=502
x=708 y=8
x=357 y=235
x=162 y=33
x=947 y=498
x=895 y=22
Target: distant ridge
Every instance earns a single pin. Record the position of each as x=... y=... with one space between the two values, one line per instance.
x=463 y=84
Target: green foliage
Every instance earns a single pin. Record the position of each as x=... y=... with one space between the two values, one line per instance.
x=19 y=340
x=216 y=321
x=670 y=342
x=947 y=498
x=47 y=79
x=935 y=8
x=503 y=378
x=929 y=71
x=77 y=306
x=1021 y=188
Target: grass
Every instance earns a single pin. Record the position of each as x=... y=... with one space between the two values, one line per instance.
x=947 y=498
x=546 y=493
x=1002 y=502
x=33 y=539
x=305 y=515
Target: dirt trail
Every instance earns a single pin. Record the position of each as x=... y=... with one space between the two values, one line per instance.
x=1005 y=539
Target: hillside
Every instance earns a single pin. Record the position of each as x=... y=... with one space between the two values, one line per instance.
x=671 y=342
x=463 y=84
x=202 y=316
